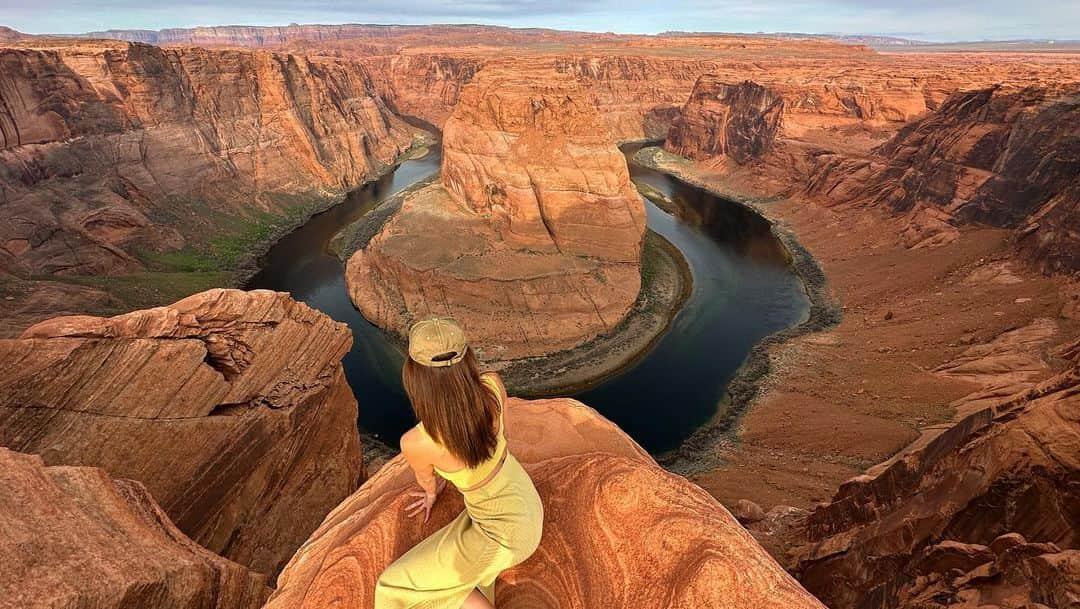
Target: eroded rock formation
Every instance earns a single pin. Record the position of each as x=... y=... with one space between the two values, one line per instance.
x=112 y=154
x=721 y=119
x=533 y=237
x=231 y=407
x=986 y=509
x=618 y=532
x=996 y=156
x=74 y=537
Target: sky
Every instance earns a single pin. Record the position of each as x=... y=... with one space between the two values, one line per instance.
x=942 y=20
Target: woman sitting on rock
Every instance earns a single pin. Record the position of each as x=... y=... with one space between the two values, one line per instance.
x=460 y=438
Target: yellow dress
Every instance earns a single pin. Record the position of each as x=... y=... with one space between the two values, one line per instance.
x=500 y=527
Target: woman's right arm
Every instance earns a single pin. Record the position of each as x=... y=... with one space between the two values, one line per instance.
x=419 y=460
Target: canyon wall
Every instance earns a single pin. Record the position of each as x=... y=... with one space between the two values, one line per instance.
x=999 y=156
x=532 y=238
x=113 y=155
x=721 y=119
x=983 y=511
x=74 y=537
x=638 y=96
x=230 y=407
x=619 y=531
x=424 y=85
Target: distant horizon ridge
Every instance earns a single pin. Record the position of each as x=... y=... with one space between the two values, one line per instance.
x=883 y=39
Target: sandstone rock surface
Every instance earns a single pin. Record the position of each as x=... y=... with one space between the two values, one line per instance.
x=932 y=519
x=533 y=237
x=722 y=119
x=231 y=407
x=998 y=156
x=74 y=537
x=618 y=532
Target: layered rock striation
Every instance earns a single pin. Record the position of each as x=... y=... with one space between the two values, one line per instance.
x=230 y=407
x=533 y=236
x=74 y=537
x=739 y=121
x=113 y=153
x=619 y=531
x=985 y=509
x=998 y=156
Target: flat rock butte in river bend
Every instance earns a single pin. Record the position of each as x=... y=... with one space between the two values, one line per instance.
x=532 y=238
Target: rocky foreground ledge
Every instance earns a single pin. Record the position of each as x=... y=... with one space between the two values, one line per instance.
x=231 y=407
x=619 y=531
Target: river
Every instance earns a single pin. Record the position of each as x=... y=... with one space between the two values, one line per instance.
x=744 y=289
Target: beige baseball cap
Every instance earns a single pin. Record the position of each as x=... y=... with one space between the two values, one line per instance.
x=436 y=342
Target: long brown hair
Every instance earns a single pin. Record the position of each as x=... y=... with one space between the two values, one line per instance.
x=456 y=408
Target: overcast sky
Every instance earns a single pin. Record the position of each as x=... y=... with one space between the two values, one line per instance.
x=922 y=19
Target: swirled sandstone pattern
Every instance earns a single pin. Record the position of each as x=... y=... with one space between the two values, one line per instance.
x=618 y=532
x=533 y=237
x=231 y=407
x=74 y=537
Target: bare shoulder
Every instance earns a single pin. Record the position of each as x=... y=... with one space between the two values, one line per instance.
x=414 y=443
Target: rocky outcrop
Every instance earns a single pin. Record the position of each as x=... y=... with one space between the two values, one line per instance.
x=231 y=407
x=533 y=237
x=618 y=531
x=112 y=153
x=74 y=537
x=996 y=156
x=739 y=121
x=990 y=504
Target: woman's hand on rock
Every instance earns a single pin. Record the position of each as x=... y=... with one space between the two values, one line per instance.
x=424 y=501
x=422 y=505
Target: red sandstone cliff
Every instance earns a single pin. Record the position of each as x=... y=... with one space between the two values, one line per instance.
x=423 y=85
x=533 y=237
x=1000 y=157
x=231 y=407
x=112 y=153
x=619 y=531
x=982 y=512
x=739 y=121
x=74 y=537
